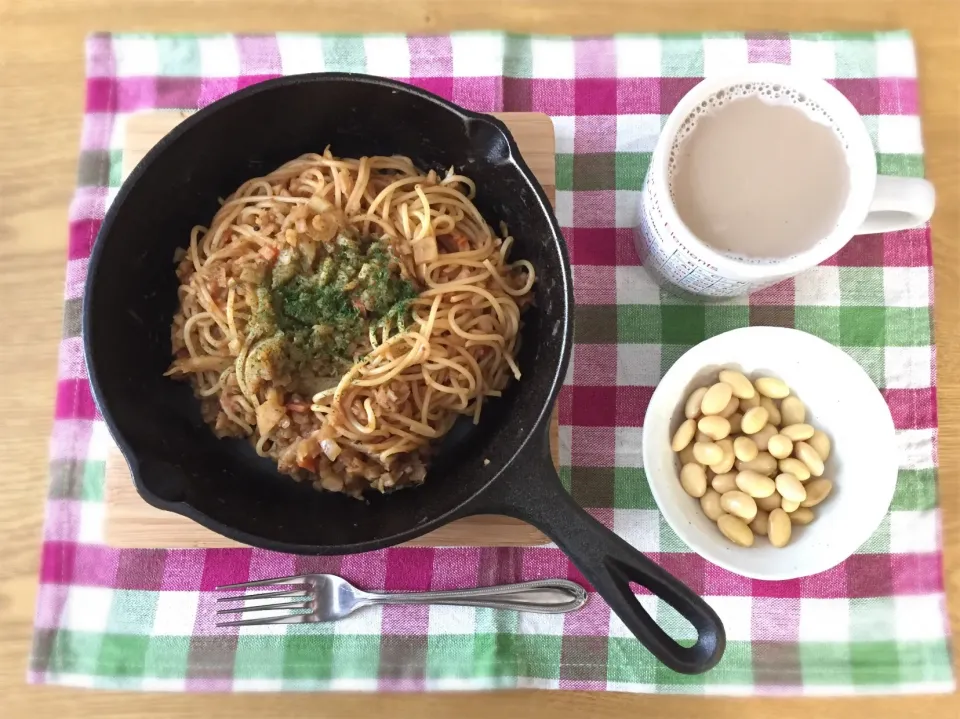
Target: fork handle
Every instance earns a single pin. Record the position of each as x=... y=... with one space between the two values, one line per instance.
x=547 y=596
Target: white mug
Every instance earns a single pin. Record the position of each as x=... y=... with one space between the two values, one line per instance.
x=875 y=203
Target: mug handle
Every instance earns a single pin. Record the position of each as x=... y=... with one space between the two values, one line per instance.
x=899 y=203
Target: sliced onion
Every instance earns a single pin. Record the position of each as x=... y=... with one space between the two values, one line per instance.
x=318 y=204
x=269 y=414
x=425 y=250
x=330 y=448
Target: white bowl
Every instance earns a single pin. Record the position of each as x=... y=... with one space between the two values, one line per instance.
x=840 y=399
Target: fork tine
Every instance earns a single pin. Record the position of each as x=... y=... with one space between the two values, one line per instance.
x=286 y=619
x=265 y=582
x=266 y=607
x=265 y=595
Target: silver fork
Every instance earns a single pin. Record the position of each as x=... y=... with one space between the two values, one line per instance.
x=327 y=597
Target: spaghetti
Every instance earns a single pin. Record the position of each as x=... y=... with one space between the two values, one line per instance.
x=342 y=313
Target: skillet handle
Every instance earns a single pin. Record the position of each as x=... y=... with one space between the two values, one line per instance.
x=532 y=491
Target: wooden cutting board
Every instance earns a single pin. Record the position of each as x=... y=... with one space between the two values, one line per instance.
x=131 y=522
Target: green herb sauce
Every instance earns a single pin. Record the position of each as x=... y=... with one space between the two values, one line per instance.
x=325 y=311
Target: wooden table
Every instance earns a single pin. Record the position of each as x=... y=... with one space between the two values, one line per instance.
x=41 y=101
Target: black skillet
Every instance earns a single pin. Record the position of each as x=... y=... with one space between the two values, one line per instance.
x=503 y=466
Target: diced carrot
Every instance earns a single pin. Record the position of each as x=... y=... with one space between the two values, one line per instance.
x=308 y=463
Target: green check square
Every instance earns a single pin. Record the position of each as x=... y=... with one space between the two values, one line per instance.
x=122 y=655
x=861 y=286
x=669 y=541
x=872 y=618
x=308 y=656
x=166 y=657
x=132 y=611
x=908 y=326
x=736 y=666
x=259 y=657
x=631 y=169
x=357 y=656
x=344 y=53
x=179 y=55
x=683 y=324
x=91 y=487
x=824 y=322
x=629 y=661
x=879 y=541
x=873 y=129
x=75 y=652
x=856 y=59
x=537 y=655
x=518 y=56
x=566 y=477
x=862 y=326
x=447 y=654
x=670 y=354
x=916 y=490
x=682 y=56
x=491 y=621
x=564 y=172
x=116 y=168
x=718 y=319
x=825 y=662
x=902 y=164
x=873 y=663
x=631 y=489
x=925 y=661
x=639 y=324
x=873 y=361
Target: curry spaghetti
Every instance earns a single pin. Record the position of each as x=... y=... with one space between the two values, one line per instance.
x=342 y=313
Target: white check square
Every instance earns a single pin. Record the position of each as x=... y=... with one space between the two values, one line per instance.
x=300 y=53
x=135 y=56
x=637 y=133
x=638 y=365
x=908 y=367
x=563 y=132
x=818 y=286
x=638 y=56
x=899 y=134
x=477 y=54
x=906 y=286
x=387 y=55
x=640 y=528
x=920 y=618
x=896 y=58
x=635 y=286
x=450 y=620
x=564 y=208
x=723 y=55
x=619 y=629
x=628 y=204
x=915 y=448
x=824 y=620
x=736 y=613
x=814 y=56
x=87 y=609
x=219 y=56
x=92 y=516
x=552 y=58
x=912 y=532
x=628 y=447
x=176 y=613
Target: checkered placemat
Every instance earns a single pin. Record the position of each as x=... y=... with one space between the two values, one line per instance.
x=877 y=623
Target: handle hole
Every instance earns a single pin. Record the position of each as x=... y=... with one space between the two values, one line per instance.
x=674 y=624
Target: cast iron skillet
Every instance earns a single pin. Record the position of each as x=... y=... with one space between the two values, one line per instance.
x=502 y=466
